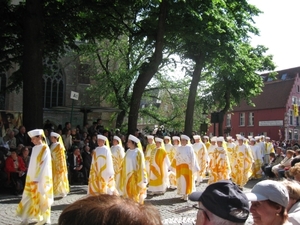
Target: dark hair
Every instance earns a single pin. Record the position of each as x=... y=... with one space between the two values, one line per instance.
x=272 y=154
x=109 y=210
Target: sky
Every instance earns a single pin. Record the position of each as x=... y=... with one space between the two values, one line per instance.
x=279 y=27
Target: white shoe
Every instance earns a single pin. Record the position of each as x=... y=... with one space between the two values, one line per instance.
x=24 y=222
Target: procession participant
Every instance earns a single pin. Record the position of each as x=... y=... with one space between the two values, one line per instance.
x=230 y=148
x=185 y=165
x=133 y=174
x=219 y=163
x=168 y=145
x=268 y=149
x=37 y=197
x=118 y=154
x=241 y=164
x=213 y=144
x=59 y=166
x=206 y=141
x=150 y=146
x=172 y=174
x=159 y=165
x=260 y=145
x=201 y=156
x=101 y=179
x=257 y=159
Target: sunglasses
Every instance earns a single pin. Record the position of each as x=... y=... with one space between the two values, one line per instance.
x=198 y=208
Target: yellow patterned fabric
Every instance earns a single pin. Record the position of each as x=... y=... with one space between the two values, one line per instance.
x=133 y=176
x=219 y=165
x=59 y=170
x=159 y=165
x=202 y=157
x=185 y=165
x=207 y=144
x=258 y=161
x=230 y=149
x=149 y=149
x=118 y=154
x=37 y=196
x=241 y=165
x=172 y=174
x=101 y=179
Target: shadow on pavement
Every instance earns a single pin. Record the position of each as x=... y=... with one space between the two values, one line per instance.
x=166 y=201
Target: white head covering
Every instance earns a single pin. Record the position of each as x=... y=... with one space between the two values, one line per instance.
x=196 y=137
x=176 y=138
x=185 y=137
x=150 y=137
x=53 y=134
x=213 y=138
x=249 y=137
x=157 y=139
x=118 y=139
x=36 y=132
x=240 y=138
x=221 y=138
x=133 y=138
x=257 y=137
x=268 y=138
x=167 y=137
x=206 y=137
x=252 y=139
x=229 y=138
x=101 y=137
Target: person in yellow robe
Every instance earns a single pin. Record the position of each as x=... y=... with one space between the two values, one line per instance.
x=202 y=157
x=149 y=148
x=168 y=145
x=37 y=196
x=206 y=141
x=59 y=166
x=101 y=179
x=230 y=147
x=268 y=149
x=185 y=165
x=171 y=155
x=118 y=154
x=133 y=178
x=241 y=167
x=159 y=166
x=219 y=163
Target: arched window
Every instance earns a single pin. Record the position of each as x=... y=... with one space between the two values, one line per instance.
x=53 y=89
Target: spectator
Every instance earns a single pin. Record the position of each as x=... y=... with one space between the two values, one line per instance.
x=93 y=129
x=67 y=139
x=109 y=210
x=3 y=174
x=93 y=142
x=22 y=137
x=75 y=137
x=269 y=200
x=75 y=166
x=285 y=164
x=221 y=203
x=295 y=172
x=87 y=160
x=67 y=127
x=293 y=207
x=99 y=127
x=10 y=139
x=25 y=156
x=16 y=169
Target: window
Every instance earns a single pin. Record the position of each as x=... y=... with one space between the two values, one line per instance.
x=250 y=134
x=242 y=133
x=294 y=100
x=296 y=135
x=251 y=119
x=228 y=120
x=242 y=119
x=283 y=76
x=291 y=120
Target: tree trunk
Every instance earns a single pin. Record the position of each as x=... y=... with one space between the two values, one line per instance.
x=120 y=119
x=147 y=71
x=32 y=65
x=189 y=114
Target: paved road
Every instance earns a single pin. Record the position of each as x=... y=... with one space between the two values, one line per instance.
x=173 y=210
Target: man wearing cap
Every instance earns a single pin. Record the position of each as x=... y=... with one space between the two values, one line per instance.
x=257 y=159
x=101 y=179
x=241 y=163
x=159 y=166
x=59 y=166
x=37 y=197
x=133 y=174
x=118 y=154
x=202 y=157
x=185 y=165
x=219 y=164
x=221 y=203
x=149 y=148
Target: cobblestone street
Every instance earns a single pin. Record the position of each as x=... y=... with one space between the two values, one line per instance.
x=173 y=210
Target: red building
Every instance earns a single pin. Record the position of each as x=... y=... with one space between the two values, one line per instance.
x=275 y=113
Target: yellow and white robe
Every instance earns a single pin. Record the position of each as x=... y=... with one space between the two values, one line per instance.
x=241 y=167
x=118 y=154
x=37 y=196
x=59 y=170
x=257 y=161
x=230 y=148
x=185 y=165
x=101 y=179
x=202 y=159
x=218 y=165
x=133 y=176
x=149 y=149
x=172 y=174
x=159 y=166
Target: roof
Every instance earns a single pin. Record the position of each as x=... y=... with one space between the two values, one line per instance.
x=275 y=93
